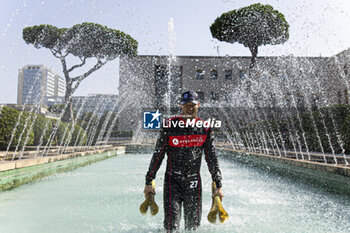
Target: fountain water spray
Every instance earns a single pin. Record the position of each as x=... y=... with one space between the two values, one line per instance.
x=36 y=78
x=71 y=131
x=105 y=123
x=55 y=129
x=171 y=61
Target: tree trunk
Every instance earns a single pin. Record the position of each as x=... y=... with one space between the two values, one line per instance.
x=254 y=51
x=68 y=115
x=68 y=108
x=71 y=111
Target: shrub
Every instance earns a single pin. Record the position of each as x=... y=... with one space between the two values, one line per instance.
x=8 y=120
x=77 y=134
x=65 y=135
x=328 y=127
x=42 y=130
x=345 y=134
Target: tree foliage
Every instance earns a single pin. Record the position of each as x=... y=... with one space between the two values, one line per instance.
x=85 y=40
x=252 y=26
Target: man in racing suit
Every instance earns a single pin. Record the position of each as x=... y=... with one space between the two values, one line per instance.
x=182 y=182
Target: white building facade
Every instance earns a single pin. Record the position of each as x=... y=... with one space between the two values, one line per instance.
x=226 y=87
x=37 y=84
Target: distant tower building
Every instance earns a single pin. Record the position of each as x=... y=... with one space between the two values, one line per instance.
x=38 y=84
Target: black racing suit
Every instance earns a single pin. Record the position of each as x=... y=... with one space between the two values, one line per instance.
x=182 y=182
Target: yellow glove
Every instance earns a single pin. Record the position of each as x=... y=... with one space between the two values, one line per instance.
x=217 y=209
x=149 y=202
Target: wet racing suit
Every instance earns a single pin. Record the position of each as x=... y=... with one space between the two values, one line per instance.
x=182 y=181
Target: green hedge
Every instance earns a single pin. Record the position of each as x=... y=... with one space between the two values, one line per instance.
x=95 y=127
x=42 y=130
x=65 y=130
x=8 y=120
x=38 y=132
x=327 y=129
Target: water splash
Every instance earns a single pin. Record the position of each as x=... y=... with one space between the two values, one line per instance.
x=171 y=62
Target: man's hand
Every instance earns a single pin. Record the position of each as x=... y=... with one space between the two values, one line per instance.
x=149 y=189
x=218 y=192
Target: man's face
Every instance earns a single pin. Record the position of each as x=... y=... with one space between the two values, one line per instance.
x=190 y=109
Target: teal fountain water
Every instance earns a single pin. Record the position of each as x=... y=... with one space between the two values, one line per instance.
x=105 y=197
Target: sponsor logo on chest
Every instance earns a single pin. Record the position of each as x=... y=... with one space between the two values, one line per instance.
x=187 y=140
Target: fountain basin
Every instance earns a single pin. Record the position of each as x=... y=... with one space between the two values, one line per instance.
x=330 y=177
x=105 y=197
x=15 y=173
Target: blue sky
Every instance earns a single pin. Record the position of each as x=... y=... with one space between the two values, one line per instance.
x=317 y=27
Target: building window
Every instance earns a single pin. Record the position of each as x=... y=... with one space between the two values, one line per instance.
x=214 y=74
x=161 y=84
x=228 y=74
x=226 y=97
x=273 y=73
x=176 y=71
x=346 y=96
x=314 y=101
x=287 y=97
x=256 y=74
x=346 y=69
x=241 y=74
x=199 y=74
x=200 y=96
x=300 y=102
x=214 y=96
x=273 y=101
x=162 y=78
